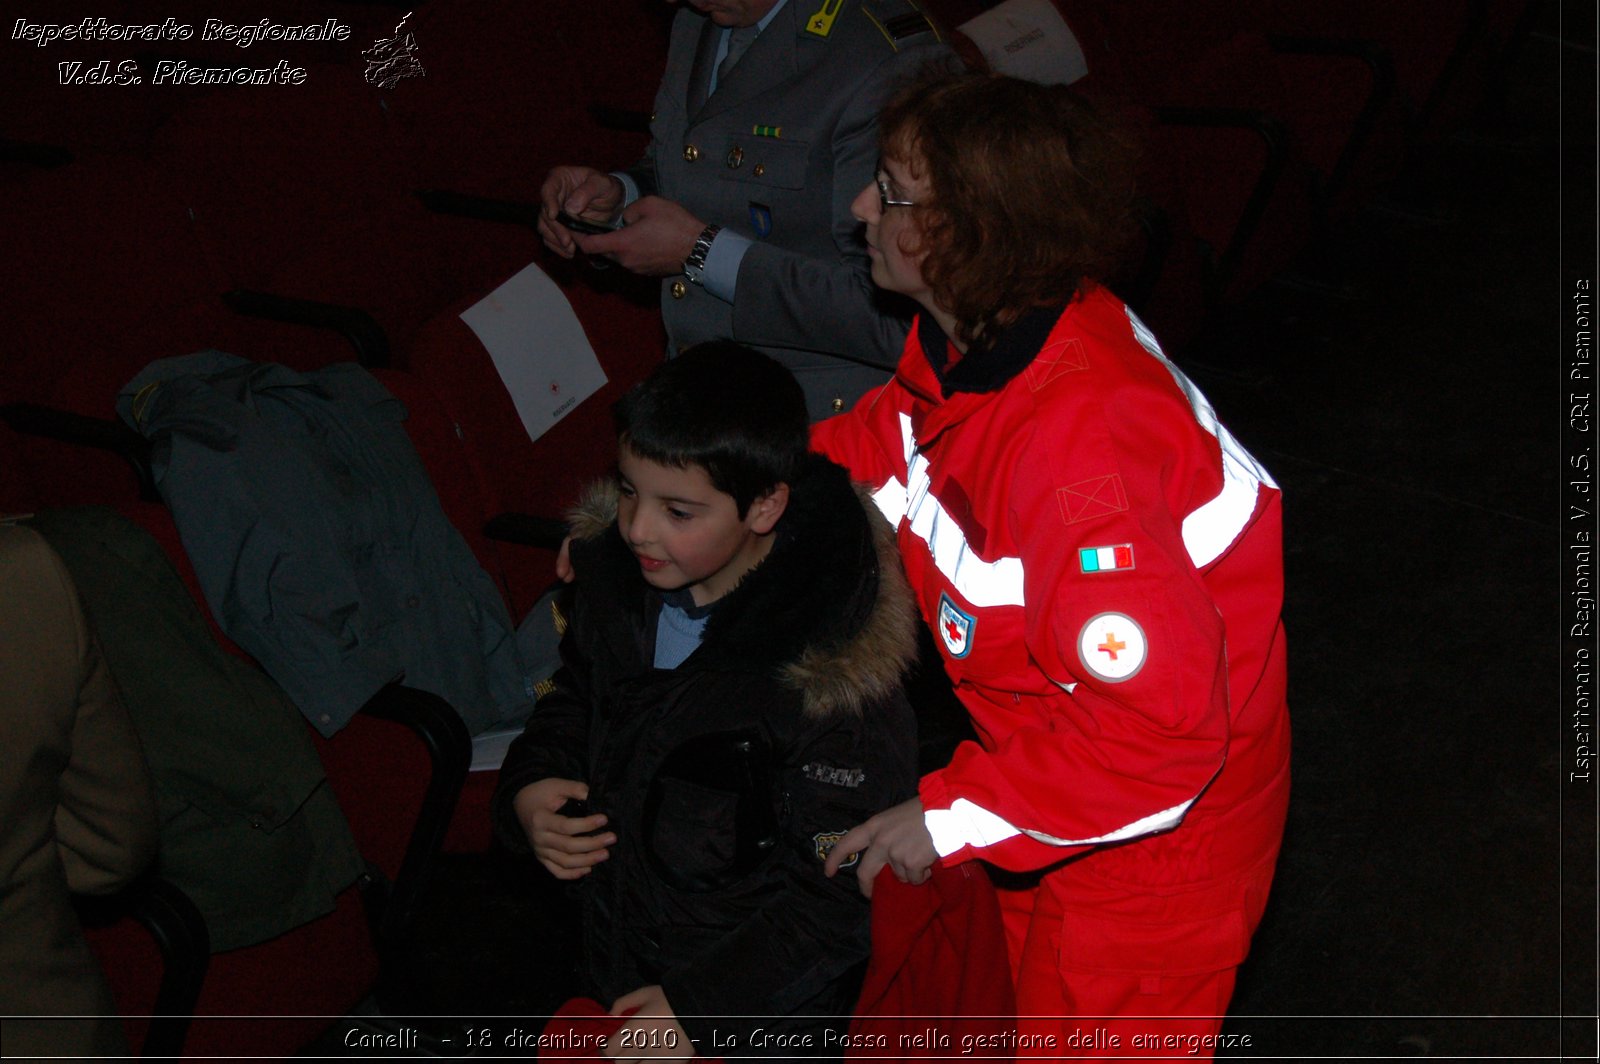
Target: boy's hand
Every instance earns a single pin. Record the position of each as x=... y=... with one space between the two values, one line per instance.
x=897 y=837
x=562 y=843
x=651 y=1032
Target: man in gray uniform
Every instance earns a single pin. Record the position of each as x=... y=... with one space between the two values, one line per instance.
x=765 y=130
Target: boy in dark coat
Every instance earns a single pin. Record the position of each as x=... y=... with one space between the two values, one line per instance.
x=729 y=704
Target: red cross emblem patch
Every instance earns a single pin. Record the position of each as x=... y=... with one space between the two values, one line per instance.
x=1112 y=647
x=955 y=627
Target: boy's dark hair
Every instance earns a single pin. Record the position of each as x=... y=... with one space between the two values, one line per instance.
x=722 y=406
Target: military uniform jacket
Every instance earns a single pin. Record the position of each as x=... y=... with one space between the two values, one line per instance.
x=778 y=153
x=728 y=778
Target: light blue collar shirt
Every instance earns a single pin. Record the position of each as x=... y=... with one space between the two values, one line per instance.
x=722 y=40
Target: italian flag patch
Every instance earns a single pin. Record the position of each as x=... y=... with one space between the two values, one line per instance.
x=1105 y=559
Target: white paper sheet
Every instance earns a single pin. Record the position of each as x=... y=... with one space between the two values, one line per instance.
x=1028 y=39
x=539 y=348
x=489 y=748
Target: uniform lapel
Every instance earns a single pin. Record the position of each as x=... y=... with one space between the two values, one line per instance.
x=705 y=58
x=769 y=62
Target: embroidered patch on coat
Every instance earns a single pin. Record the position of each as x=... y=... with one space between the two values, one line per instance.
x=825 y=841
x=1095 y=497
x=761 y=219
x=1112 y=647
x=817 y=772
x=1057 y=359
x=955 y=627
x=1105 y=559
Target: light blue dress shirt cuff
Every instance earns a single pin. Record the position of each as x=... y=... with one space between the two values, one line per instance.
x=721 y=274
x=630 y=190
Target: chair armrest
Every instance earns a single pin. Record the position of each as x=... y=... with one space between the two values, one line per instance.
x=363 y=332
x=484 y=208
x=1379 y=63
x=619 y=119
x=104 y=434
x=449 y=747
x=181 y=935
x=1274 y=136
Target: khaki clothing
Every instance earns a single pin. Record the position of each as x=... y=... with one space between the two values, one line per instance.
x=76 y=810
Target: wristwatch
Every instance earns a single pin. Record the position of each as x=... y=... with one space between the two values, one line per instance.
x=694 y=266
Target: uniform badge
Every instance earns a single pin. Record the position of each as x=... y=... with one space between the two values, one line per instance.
x=760 y=218
x=1105 y=559
x=821 y=23
x=1112 y=647
x=955 y=627
x=825 y=841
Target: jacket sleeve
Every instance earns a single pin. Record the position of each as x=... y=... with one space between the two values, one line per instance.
x=866 y=439
x=814 y=930
x=106 y=821
x=788 y=299
x=75 y=770
x=1133 y=720
x=643 y=172
x=553 y=744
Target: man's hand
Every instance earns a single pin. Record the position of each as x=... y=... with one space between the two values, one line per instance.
x=561 y=842
x=582 y=192
x=651 y=1032
x=658 y=236
x=897 y=837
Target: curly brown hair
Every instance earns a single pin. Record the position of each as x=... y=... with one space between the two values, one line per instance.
x=1032 y=193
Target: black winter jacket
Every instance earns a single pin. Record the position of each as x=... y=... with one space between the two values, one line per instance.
x=727 y=779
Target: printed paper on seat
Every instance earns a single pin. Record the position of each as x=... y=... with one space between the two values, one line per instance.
x=1028 y=39
x=538 y=347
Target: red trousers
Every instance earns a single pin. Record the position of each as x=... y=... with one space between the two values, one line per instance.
x=1140 y=990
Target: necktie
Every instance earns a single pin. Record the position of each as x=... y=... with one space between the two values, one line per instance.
x=739 y=39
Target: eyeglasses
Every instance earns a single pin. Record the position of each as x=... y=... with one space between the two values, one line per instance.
x=884 y=202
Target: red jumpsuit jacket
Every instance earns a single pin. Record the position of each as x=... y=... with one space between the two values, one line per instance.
x=1101 y=564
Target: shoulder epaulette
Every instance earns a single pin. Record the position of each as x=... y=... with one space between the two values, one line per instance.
x=821 y=23
x=899 y=21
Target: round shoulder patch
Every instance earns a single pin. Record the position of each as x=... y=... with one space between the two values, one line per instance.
x=1112 y=647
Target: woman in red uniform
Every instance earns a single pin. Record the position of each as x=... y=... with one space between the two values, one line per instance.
x=1101 y=564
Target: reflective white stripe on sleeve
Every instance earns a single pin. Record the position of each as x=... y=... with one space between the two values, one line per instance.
x=982 y=583
x=1211 y=529
x=891 y=502
x=966 y=823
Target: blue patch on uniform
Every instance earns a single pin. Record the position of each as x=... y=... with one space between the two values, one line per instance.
x=955 y=627
x=761 y=219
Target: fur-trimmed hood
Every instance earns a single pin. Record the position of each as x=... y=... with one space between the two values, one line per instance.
x=828 y=609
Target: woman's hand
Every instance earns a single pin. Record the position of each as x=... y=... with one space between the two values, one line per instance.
x=897 y=837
